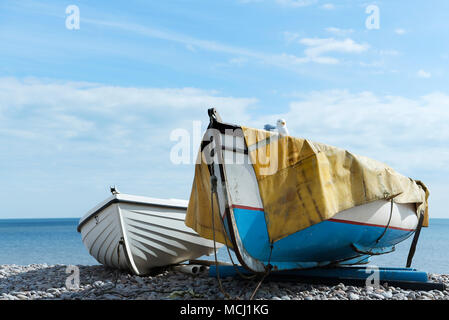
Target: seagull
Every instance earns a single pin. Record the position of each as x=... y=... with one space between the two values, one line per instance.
x=114 y=190
x=282 y=127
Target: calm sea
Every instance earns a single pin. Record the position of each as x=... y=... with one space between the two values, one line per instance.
x=56 y=241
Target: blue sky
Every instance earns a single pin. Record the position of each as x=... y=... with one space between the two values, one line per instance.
x=84 y=109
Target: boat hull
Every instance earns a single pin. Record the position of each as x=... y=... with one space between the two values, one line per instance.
x=138 y=234
x=349 y=237
x=344 y=239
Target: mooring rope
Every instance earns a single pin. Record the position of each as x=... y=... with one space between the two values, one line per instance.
x=117 y=272
x=212 y=191
x=268 y=267
x=234 y=265
x=267 y=272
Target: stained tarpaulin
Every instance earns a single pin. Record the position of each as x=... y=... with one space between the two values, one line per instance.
x=303 y=183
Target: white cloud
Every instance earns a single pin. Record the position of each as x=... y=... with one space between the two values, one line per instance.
x=424 y=74
x=59 y=139
x=389 y=52
x=238 y=61
x=316 y=47
x=107 y=119
x=339 y=32
x=296 y=3
x=328 y=6
x=291 y=36
x=411 y=135
x=400 y=31
x=68 y=137
x=285 y=3
x=90 y=116
x=373 y=64
x=76 y=115
x=279 y=60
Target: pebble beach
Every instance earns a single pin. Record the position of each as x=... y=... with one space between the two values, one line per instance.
x=49 y=282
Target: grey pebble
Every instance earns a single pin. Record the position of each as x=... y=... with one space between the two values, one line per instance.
x=110 y=297
x=41 y=281
x=427 y=294
x=377 y=296
x=354 y=296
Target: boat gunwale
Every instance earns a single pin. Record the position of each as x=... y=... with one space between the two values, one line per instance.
x=217 y=123
x=114 y=199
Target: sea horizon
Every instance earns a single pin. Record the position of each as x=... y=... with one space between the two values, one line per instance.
x=55 y=241
x=71 y=218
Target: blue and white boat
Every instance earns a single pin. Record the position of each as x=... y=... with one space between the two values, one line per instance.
x=347 y=237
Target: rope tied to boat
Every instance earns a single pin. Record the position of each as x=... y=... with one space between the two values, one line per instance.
x=388 y=224
x=116 y=275
x=370 y=252
x=213 y=180
x=268 y=267
x=213 y=183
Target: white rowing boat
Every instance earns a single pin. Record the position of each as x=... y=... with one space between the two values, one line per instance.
x=138 y=233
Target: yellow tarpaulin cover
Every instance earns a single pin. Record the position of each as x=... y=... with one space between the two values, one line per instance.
x=302 y=183
x=199 y=213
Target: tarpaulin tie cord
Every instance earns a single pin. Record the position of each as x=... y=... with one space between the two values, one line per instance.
x=388 y=224
x=378 y=239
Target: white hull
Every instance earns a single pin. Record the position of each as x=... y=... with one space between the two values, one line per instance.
x=139 y=233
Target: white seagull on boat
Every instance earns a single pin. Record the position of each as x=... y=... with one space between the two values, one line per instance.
x=282 y=127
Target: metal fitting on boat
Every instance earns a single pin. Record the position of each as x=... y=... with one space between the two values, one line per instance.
x=189 y=268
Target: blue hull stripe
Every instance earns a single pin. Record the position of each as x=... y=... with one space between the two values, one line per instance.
x=326 y=241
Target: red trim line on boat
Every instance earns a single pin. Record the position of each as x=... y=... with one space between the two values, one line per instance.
x=368 y=224
x=246 y=207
